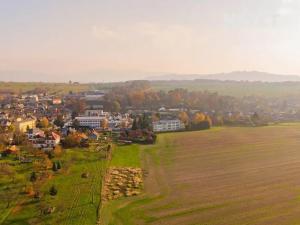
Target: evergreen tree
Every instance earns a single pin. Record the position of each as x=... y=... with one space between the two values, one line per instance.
x=53 y=191
x=134 y=124
x=58 y=165
x=33 y=177
x=54 y=167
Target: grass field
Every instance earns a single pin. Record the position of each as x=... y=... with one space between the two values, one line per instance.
x=77 y=200
x=221 y=176
x=126 y=156
x=57 y=88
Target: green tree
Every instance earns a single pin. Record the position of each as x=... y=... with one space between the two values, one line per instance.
x=134 y=124
x=59 y=121
x=76 y=124
x=54 y=167
x=58 y=165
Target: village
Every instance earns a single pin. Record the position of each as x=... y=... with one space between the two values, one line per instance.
x=45 y=121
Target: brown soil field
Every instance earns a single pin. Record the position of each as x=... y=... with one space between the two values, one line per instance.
x=225 y=176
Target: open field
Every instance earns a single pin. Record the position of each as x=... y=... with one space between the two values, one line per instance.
x=222 y=176
x=77 y=200
x=55 y=88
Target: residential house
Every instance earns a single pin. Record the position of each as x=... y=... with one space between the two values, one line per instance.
x=23 y=125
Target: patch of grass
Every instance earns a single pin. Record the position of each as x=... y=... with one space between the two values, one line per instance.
x=126 y=156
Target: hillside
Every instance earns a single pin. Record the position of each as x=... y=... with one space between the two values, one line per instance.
x=233 y=76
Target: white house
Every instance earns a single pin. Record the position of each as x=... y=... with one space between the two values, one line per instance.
x=168 y=125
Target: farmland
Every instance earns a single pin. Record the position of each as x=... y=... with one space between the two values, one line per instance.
x=216 y=177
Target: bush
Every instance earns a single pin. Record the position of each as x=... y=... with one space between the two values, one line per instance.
x=203 y=125
x=53 y=191
x=54 y=167
x=33 y=177
x=58 y=165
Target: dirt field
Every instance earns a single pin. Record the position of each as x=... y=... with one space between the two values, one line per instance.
x=220 y=177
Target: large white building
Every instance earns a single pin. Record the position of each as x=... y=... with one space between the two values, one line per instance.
x=168 y=125
x=90 y=121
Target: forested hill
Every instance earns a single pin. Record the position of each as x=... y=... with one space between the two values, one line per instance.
x=232 y=76
x=232 y=88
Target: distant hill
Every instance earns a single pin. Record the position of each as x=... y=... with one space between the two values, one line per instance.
x=233 y=76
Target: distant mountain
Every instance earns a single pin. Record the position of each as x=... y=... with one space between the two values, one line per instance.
x=233 y=76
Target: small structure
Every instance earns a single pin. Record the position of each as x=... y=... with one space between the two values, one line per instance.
x=168 y=125
x=12 y=150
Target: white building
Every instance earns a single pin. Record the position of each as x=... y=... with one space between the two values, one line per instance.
x=90 y=121
x=94 y=112
x=168 y=125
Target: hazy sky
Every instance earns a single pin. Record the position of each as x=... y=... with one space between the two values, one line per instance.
x=96 y=40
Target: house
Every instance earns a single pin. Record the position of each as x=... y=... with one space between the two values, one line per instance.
x=24 y=125
x=42 y=141
x=56 y=101
x=52 y=140
x=5 y=123
x=94 y=112
x=35 y=132
x=168 y=125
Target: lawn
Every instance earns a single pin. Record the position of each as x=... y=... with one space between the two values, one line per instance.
x=78 y=198
x=126 y=156
x=222 y=176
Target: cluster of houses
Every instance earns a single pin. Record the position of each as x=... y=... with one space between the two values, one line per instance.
x=98 y=119
x=42 y=140
x=21 y=113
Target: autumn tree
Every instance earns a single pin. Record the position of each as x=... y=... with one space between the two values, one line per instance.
x=43 y=123
x=137 y=98
x=76 y=105
x=71 y=141
x=198 y=117
x=201 y=121
x=184 y=118
x=57 y=151
x=116 y=107
x=104 y=123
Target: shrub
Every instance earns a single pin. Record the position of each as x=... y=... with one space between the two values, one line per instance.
x=54 y=167
x=33 y=177
x=58 y=165
x=53 y=191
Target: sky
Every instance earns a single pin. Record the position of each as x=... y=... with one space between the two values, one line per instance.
x=97 y=40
